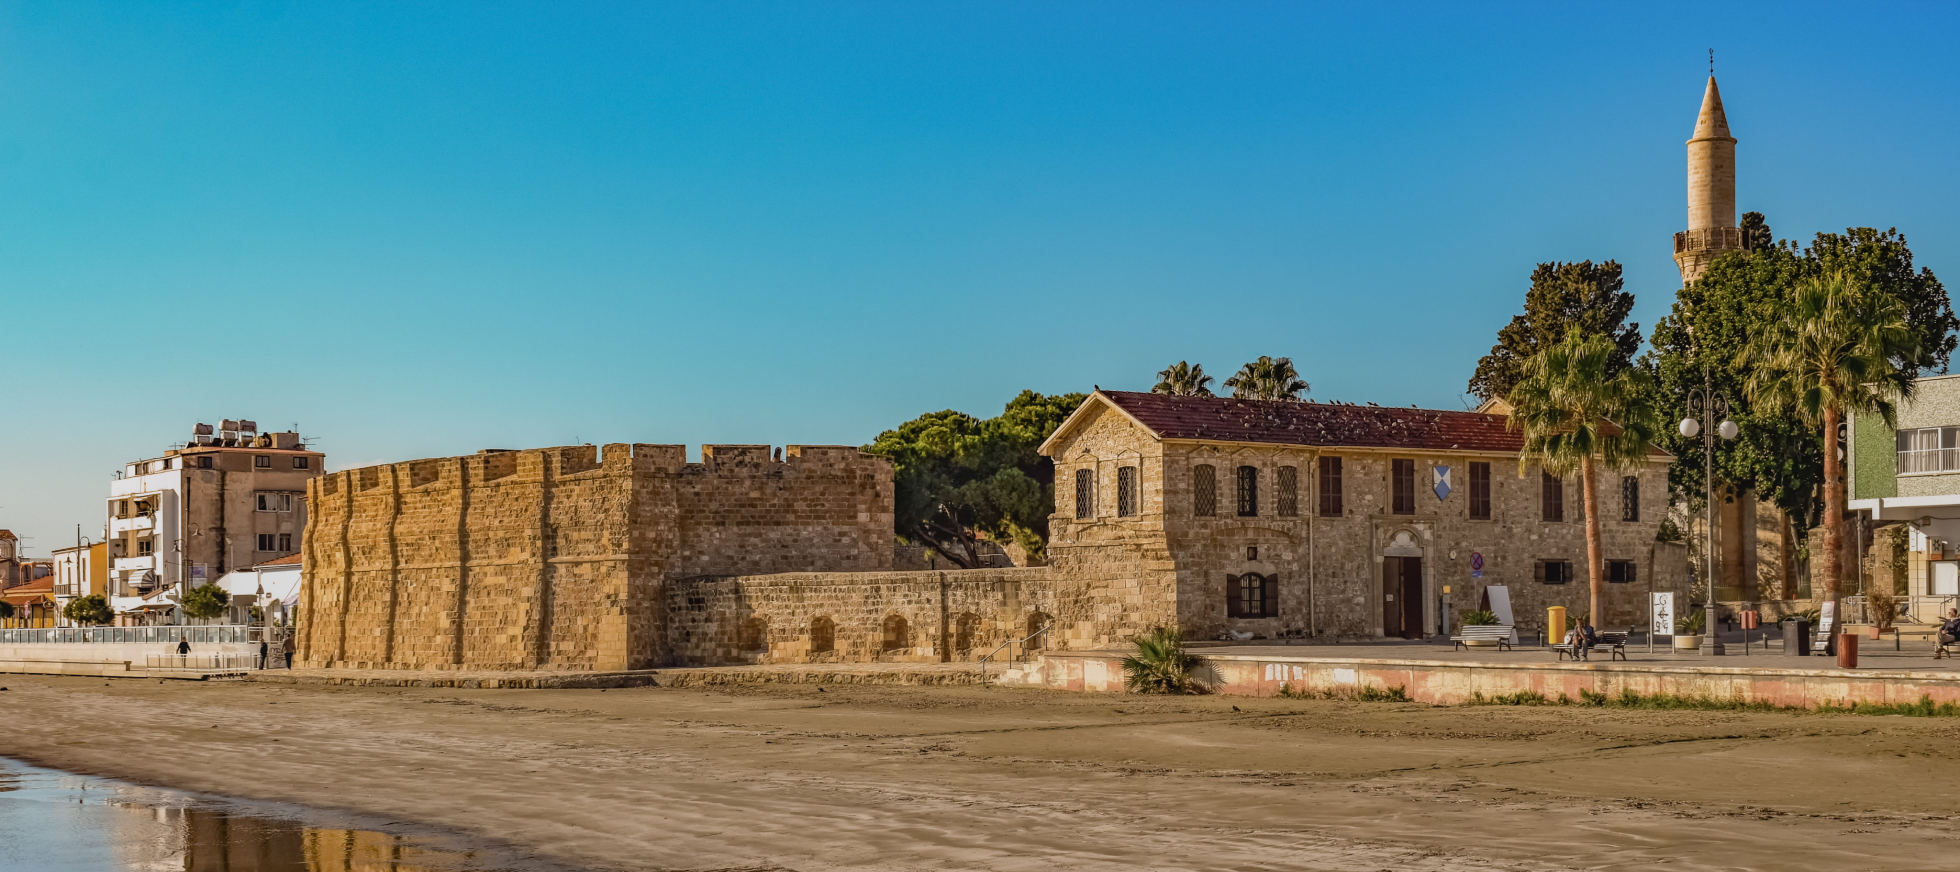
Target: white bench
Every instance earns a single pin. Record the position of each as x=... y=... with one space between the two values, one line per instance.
x=1499 y=633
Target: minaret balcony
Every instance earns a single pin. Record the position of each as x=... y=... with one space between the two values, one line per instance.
x=1708 y=239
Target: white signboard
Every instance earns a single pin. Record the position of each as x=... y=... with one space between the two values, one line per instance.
x=1824 y=617
x=1663 y=612
x=1500 y=605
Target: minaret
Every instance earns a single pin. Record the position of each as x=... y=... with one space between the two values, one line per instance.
x=1711 y=191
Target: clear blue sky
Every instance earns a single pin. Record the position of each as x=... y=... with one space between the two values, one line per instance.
x=422 y=229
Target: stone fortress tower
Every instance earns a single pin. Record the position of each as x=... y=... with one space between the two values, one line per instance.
x=1712 y=230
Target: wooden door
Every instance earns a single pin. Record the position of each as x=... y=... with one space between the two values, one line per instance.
x=1411 y=598
x=1391 y=596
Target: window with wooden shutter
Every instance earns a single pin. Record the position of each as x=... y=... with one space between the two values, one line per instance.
x=1330 y=487
x=1630 y=499
x=1621 y=572
x=1479 y=490
x=1248 y=491
x=1287 y=501
x=1552 y=571
x=1085 y=493
x=1404 y=489
x=1204 y=490
x=1252 y=595
x=1127 y=497
x=1551 y=497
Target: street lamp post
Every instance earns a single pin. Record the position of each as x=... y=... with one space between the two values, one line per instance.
x=1707 y=402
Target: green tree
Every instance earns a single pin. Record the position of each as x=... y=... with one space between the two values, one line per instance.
x=88 y=611
x=1183 y=380
x=1563 y=297
x=1841 y=347
x=1577 y=414
x=1755 y=232
x=1712 y=320
x=205 y=602
x=6 y=610
x=1268 y=378
x=958 y=477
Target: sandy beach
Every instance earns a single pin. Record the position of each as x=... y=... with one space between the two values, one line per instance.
x=895 y=777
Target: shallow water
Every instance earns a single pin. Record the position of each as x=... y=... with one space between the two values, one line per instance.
x=52 y=821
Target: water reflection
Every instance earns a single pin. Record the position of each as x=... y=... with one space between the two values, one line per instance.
x=53 y=821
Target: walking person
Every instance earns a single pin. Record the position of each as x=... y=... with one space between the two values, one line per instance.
x=183 y=645
x=263 y=652
x=289 y=649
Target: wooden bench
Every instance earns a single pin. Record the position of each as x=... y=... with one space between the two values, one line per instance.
x=1499 y=633
x=1615 y=645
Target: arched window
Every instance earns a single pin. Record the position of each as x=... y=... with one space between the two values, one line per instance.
x=1251 y=596
x=1085 y=493
x=897 y=634
x=754 y=635
x=1127 y=497
x=1204 y=490
x=1248 y=491
x=823 y=635
x=966 y=631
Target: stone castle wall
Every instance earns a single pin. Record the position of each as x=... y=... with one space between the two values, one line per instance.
x=558 y=557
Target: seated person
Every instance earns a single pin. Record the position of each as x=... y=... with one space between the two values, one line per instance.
x=1950 y=631
x=1588 y=639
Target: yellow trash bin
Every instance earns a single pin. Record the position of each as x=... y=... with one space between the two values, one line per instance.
x=1554 y=625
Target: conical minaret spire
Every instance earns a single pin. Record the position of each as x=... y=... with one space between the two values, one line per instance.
x=1711 y=191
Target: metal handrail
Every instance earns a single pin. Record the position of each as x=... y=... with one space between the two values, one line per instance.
x=1009 y=645
x=205 y=634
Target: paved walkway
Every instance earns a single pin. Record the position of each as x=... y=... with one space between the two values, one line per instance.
x=1910 y=654
x=801 y=673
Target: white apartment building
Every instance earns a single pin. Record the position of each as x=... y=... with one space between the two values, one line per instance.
x=230 y=498
x=80 y=570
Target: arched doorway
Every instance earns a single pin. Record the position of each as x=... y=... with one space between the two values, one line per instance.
x=966 y=632
x=1036 y=638
x=754 y=637
x=823 y=635
x=897 y=634
x=1402 y=588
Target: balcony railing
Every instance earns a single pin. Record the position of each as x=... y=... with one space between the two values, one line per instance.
x=1929 y=460
x=212 y=634
x=1708 y=239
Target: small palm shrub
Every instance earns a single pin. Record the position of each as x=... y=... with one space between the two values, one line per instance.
x=1161 y=664
x=1693 y=624
x=1480 y=618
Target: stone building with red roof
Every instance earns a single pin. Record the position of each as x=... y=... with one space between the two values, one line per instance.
x=1281 y=519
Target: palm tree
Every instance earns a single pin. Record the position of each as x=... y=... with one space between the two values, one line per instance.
x=1268 y=378
x=1161 y=664
x=1576 y=418
x=1183 y=380
x=1840 y=348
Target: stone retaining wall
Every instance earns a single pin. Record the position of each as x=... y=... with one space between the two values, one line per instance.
x=1450 y=683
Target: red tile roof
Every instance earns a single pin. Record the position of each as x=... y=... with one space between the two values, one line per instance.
x=39 y=588
x=288 y=560
x=1318 y=424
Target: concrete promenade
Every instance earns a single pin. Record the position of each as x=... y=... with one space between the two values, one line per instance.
x=1431 y=672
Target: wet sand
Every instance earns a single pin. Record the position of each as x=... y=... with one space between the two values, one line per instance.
x=871 y=777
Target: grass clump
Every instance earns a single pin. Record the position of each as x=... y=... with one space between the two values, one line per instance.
x=1352 y=693
x=1522 y=697
x=1629 y=698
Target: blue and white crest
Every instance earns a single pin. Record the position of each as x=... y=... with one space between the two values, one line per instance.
x=1442 y=476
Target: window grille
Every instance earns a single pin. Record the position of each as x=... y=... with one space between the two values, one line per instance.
x=1330 y=487
x=1252 y=596
x=1480 y=490
x=1204 y=490
x=1126 y=491
x=1630 y=499
x=1404 y=471
x=1085 y=493
x=1551 y=497
x=1287 y=501
x=1248 y=491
